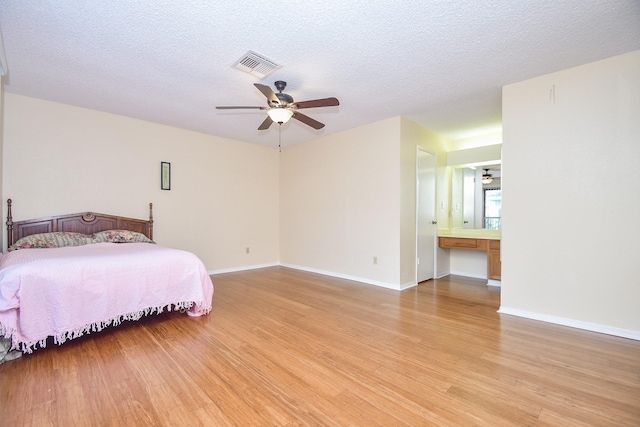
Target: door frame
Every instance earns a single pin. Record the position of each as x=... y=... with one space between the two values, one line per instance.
x=435 y=210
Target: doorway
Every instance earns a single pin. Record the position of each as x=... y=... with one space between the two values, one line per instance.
x=425 y=215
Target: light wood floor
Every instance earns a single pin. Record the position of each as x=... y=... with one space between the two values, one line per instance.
x=288 y=348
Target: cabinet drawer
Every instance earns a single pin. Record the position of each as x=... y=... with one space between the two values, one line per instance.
x=454 y=242
x=494 y=244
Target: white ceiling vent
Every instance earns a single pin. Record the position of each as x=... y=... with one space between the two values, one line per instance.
x=256 y=65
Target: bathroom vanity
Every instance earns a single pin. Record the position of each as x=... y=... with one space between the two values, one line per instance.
x=475 y=240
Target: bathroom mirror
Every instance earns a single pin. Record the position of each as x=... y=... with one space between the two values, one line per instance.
x=476 y=196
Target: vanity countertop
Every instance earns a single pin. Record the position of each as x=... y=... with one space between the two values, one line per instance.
x=469 y=233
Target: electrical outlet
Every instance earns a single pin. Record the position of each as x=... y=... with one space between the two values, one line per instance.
x=247 y=250
x=375 y=260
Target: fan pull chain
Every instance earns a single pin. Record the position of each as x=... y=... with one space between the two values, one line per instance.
x=280 y=137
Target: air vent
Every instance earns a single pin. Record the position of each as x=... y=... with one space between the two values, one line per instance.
x=256 y=65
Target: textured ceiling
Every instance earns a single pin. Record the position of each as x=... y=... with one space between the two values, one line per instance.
x=439 y=63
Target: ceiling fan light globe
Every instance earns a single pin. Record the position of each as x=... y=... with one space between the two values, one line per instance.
x=280 y=115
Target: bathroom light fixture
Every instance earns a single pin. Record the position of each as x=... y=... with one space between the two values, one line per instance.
x=486 y=178
x=280 y=115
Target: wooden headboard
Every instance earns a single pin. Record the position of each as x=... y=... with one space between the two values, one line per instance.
x=85 y=223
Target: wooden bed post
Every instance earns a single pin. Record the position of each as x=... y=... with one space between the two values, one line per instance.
x=151 y=221
x=9 y=224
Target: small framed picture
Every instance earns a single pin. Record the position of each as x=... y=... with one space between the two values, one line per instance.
x=165 y=175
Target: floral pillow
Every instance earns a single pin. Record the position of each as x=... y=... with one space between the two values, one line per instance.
x=120 y=236
x=56 y=239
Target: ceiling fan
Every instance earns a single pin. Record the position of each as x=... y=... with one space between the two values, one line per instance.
x=281 y=107
x=487 y=177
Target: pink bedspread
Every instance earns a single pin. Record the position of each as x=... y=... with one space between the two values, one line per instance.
x=66 y=292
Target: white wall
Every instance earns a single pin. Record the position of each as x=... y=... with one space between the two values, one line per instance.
x=346 y=198
x=478 y=138
x=349 y=197
x=224 y=197
x=412 y=136
x=468 y=263
x=330 y=205
x=483 y=155
x=571 y=197
x=340 y=204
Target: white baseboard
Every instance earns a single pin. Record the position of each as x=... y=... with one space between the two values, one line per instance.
x=594 y=327
x=408 y=285
x=324 y=272
x=386 y=285
x=243 y=268
x=354 y=278
x=465 y=274
x=490 y=282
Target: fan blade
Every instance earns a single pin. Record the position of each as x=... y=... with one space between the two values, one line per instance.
x=266 y=91
x=325 y=102
x=240 y=107
x=265 y=125
x=307 y=120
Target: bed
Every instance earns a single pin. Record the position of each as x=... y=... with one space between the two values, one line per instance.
x=69 y=275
